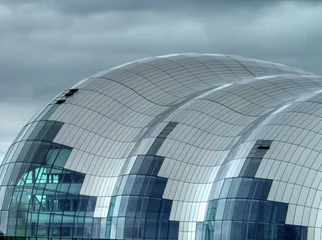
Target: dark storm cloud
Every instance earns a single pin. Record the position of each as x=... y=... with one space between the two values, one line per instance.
x=47 y=46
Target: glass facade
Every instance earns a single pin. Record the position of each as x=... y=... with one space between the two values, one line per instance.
x=183 y=146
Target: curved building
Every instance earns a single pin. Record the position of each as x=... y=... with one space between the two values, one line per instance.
x=183 y=146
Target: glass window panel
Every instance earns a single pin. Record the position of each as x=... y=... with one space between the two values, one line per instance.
x=244 y=169
x=123 y=206
x=252 y=167
x=220 y=209
x=226 y=229
x=279 y=212
x=163 y=229
x=129 y=184
x=249 y=230
x=148 y=186
x=217 y=229
x=225 y=188
x=147 y=162
x=14 y=178
x=129 y=226
x=236 y=230
x=120 y=228
x=173 y=229
x=117 y=205
x=52 y=154
x=266 y=189
x=52 y=132
x=251 y=210
x=143 y=206
x=24 y=151
x=40 y=155
x=154 y=208
x=159 y=187
x=234 y=187
x=123 y=184
x=137 y=164
x=245 y=187
x=239 y=210
x=137 y=186
x=16 y=150
x=51 y=109
x=256 y=191
x=43 y=131
x=150 y=229
x=62 y=156
x=263 y=231
x=156 y=165
x=132 y=206
x=9 y=170
x=165 y=209
x=156 y=146
x=229 y=208
x=138 y=231
x=265 y=211
x=35 y=130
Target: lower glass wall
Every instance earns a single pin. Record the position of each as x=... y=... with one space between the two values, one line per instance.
x=243 y=213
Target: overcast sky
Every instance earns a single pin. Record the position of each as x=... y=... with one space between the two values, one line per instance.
x=48 y=46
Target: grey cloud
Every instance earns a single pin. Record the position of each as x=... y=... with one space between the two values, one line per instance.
x=47 y=46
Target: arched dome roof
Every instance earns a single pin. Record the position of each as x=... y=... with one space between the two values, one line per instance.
x=169 y=146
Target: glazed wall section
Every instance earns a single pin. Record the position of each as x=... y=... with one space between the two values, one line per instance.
x=162 y=149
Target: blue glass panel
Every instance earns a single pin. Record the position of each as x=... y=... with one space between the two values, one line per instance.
x=148 y=186
x=229 y=208
x=163 y=229
x=123 y=206
x=138 y=230
x=217 y=230
x=239 y=210
x=156 y=146
x=129 y=226
x=234 y=188
x=132 y=206
x=225 y=188
x=53 y=131
x=120 y=228
x=37 y=127
x=249 y=231
x=150 y=229
x=220 y=209
x=245 y=187
x=245 y=166
x=159 y=187
x=212 y=208
x=251 y=210
x=147 y=162
x=257 y=188
x=143 y=206
x=252 y=167
x=265 y=211
x=129 y=184
x=137 y=164
x=165 y=209
x=263 y=231
x=266 y=188
x=156 y=165
x=137 y=186
x=226 y=229
x=154 y=208
x=236 y=230
x=173 y=229
x=279 y=212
